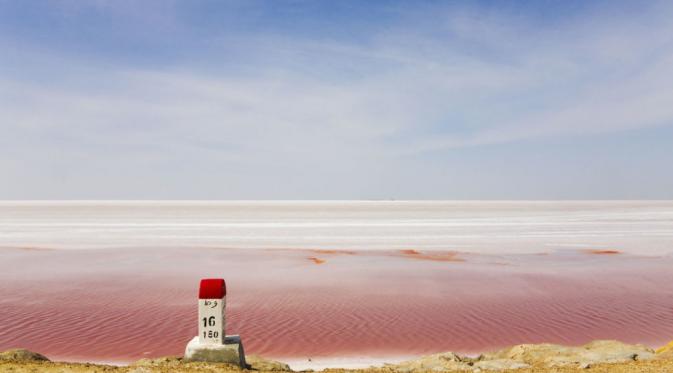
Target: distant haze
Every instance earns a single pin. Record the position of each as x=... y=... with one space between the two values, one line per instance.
x=336 y=100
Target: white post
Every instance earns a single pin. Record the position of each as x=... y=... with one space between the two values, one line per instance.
x=212 y=304
x=212 y=344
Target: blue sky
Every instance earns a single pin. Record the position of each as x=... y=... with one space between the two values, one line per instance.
x=336 y=100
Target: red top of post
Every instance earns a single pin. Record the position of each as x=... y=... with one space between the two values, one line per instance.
x=212 y=288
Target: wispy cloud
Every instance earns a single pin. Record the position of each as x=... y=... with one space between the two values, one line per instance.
x=260 y=100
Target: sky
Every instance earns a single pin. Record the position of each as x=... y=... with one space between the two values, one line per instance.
x=196 y=99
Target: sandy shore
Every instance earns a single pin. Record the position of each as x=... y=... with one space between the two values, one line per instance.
x=597 y=356
x=659 y=366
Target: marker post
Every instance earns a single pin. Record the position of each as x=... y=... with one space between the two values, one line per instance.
x=212 y=344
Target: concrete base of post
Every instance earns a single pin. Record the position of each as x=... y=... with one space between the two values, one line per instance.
x=230 y=352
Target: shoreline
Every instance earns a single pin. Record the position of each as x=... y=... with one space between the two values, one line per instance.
x=318 y=363
x=599 y=356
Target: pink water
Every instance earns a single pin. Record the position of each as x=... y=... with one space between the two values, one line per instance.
x=122 y=305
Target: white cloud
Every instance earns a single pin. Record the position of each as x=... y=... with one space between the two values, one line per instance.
x=306 y=104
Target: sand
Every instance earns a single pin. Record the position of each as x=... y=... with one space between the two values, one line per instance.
x=608 y=356
x=634 y=367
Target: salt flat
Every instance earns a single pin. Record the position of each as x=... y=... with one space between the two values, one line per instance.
x=639 y=227
x=334 y=281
